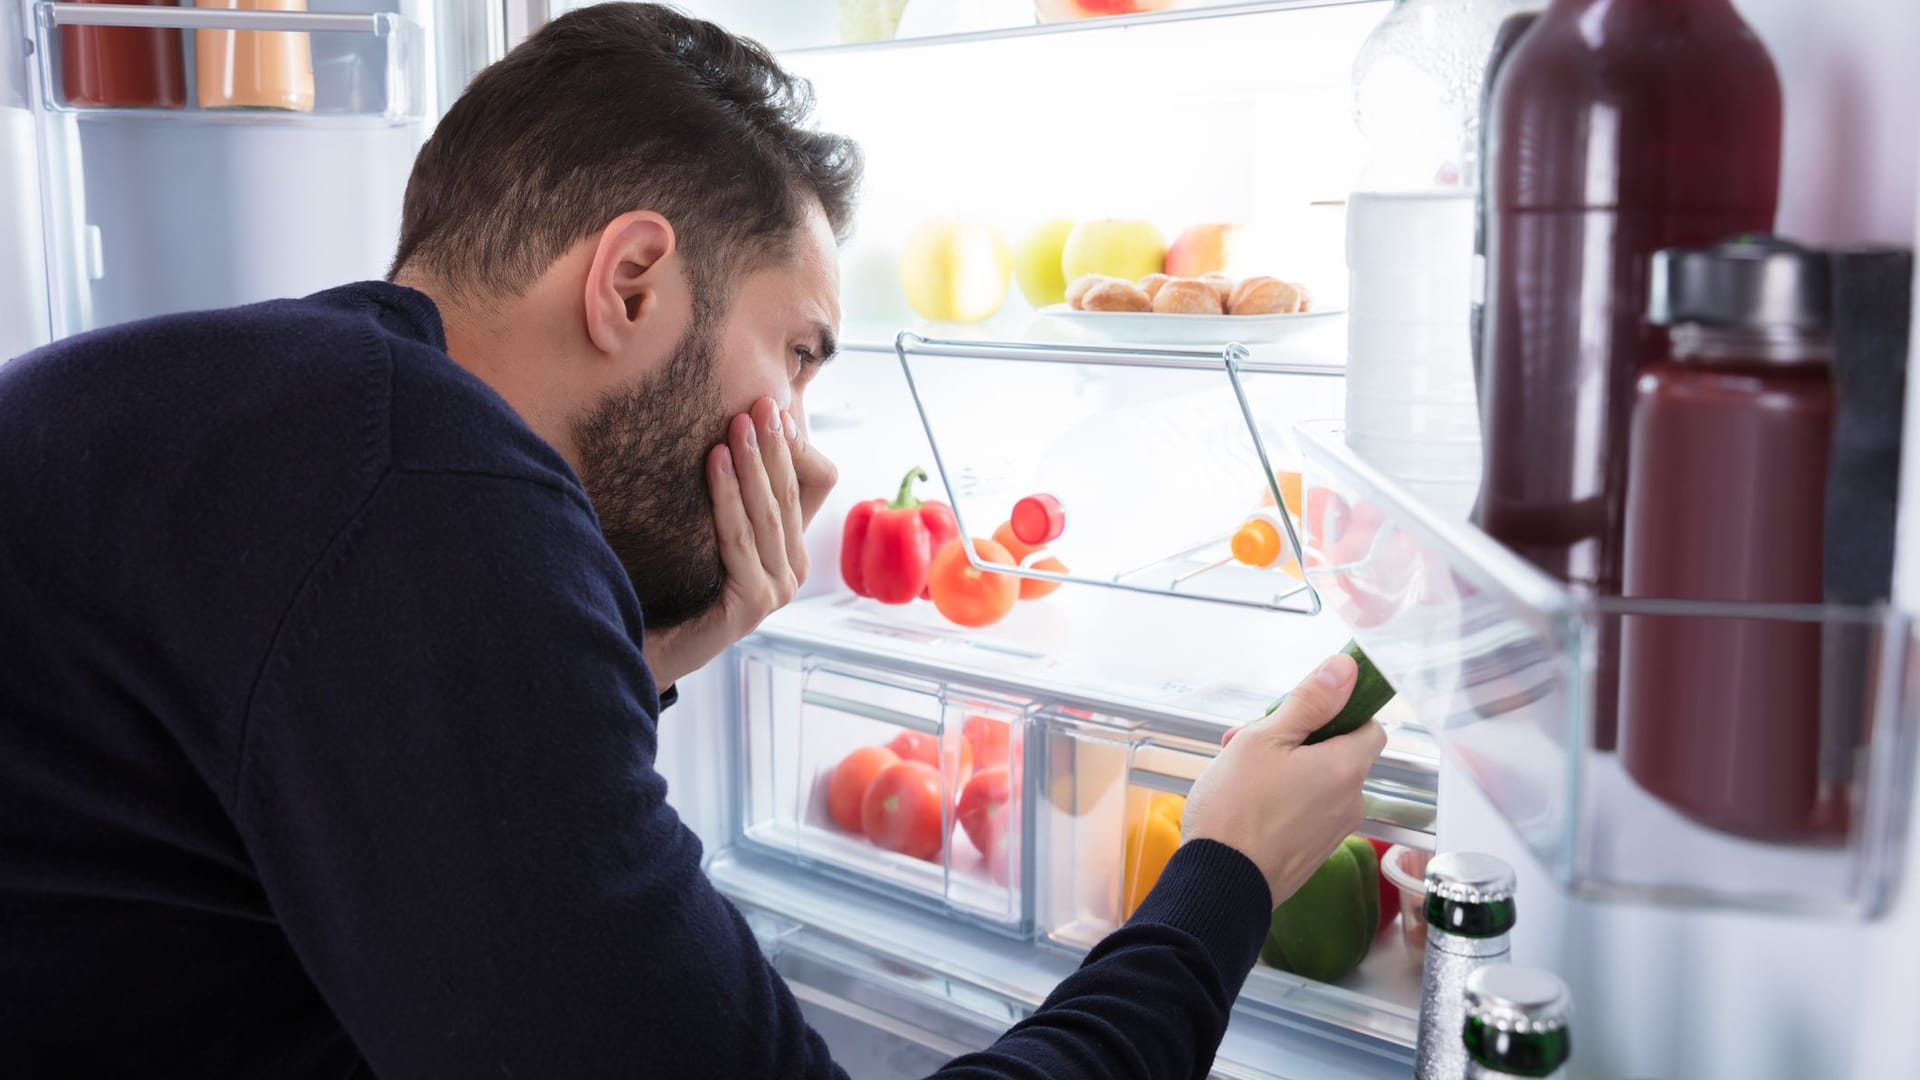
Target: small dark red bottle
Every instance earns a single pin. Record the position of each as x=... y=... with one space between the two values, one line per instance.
x=1729 y=444
x=123 y=66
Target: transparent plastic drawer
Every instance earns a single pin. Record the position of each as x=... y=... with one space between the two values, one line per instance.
x=1109 y=818
x=910 y=787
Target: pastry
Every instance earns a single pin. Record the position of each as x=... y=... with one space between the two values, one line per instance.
x=1077 y=289
x=1264 y=296
x=1306 y=298
x=1116 y=295
x=1187 y=296
x=1222 y=284
x=1151 y=284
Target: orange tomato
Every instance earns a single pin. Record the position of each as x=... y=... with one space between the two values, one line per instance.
x=1034 y=588
x=849 y=783
x=969 y=596
x=1016 y=549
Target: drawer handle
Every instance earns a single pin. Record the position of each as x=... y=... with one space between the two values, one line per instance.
x=854 y=707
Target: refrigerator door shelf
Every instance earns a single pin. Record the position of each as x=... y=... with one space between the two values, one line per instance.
x=932 y=988
x=1500 y=663
x=367 y=68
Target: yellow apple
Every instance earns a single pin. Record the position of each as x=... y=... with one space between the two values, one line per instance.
x=1122 y=249
x=955 y=271
x=1036 y=263
x=1204 y=249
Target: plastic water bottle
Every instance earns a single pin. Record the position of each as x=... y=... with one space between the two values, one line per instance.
x=1412 y=410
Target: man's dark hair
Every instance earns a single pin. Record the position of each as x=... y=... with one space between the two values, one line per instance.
x=610 y=109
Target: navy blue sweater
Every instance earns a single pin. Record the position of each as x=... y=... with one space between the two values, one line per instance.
x=326 y=747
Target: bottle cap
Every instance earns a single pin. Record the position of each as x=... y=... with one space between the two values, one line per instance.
x=1518 y=1000
x=1749 y=282
x=1468 y=877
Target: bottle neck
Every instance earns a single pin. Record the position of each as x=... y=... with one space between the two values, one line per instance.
x=1699 y=343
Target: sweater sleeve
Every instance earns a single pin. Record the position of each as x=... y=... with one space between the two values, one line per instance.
x=1153 y=999
x=448 y=792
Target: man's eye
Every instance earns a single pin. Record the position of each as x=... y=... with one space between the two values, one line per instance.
x=803 y=358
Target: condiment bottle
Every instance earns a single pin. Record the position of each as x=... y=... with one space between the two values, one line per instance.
x=1618 y=127
x=1469 y=914
x=254 y=69
x=1720 y=717
x=1517 y=1021
x=122 y=66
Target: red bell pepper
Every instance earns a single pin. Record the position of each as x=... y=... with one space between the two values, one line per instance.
x=886 y=546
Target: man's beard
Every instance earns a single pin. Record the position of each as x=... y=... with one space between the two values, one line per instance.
x=643 y=452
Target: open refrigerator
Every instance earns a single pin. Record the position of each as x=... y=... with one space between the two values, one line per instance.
x=1688 y=954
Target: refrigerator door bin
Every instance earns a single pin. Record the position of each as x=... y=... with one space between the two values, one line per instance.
x=1509 y=670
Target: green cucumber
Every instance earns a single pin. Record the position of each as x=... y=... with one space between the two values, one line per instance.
x=1371 y=692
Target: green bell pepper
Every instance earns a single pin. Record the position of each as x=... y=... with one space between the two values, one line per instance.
x=1324 y=930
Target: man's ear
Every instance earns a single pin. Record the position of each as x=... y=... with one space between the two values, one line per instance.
x=624 y=281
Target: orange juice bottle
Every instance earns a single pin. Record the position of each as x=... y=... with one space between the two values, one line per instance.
x=254 y=69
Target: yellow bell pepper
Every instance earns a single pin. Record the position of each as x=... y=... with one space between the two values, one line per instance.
x=1153 y=833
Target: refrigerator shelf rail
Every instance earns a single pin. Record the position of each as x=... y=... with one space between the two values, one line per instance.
x=1506 y=668
x=1198 y=420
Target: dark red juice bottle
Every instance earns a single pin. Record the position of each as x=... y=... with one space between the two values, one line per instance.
x=1720 y=716
x=1618 y=127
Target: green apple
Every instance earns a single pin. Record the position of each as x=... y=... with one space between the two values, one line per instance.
x=1037 y=263
x=1114 y=247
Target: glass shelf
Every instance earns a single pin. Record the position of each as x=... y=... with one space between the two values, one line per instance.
x=819 y=27
x=1498 y=661
x=1157 y=454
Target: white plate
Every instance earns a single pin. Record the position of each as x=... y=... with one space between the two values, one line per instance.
x=1145 y=327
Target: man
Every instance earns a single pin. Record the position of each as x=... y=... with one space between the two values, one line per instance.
x=332 y=629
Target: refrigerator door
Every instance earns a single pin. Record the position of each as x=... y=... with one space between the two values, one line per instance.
x=23 y=267
x=135 y=212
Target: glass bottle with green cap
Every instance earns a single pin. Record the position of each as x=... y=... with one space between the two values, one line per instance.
x=1469 y=913
x=1516 y=1025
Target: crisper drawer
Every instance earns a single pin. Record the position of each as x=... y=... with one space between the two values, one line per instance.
x=910 y=787
x=1109 y=818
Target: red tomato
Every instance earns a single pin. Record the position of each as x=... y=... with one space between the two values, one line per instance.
x=989 y=739
x=849 y=783
x=901 y=811
x=1389 y=893
x=968 y=596
x=924 y=748
x=916 y=746
x=982 y=810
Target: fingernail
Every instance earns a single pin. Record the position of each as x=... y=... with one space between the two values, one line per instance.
x=773 y=423
x=726 y=461
x=793 y=429
x=753 y=438
x=1335 y=671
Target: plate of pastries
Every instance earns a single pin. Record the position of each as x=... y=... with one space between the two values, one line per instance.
x=1207 y=310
